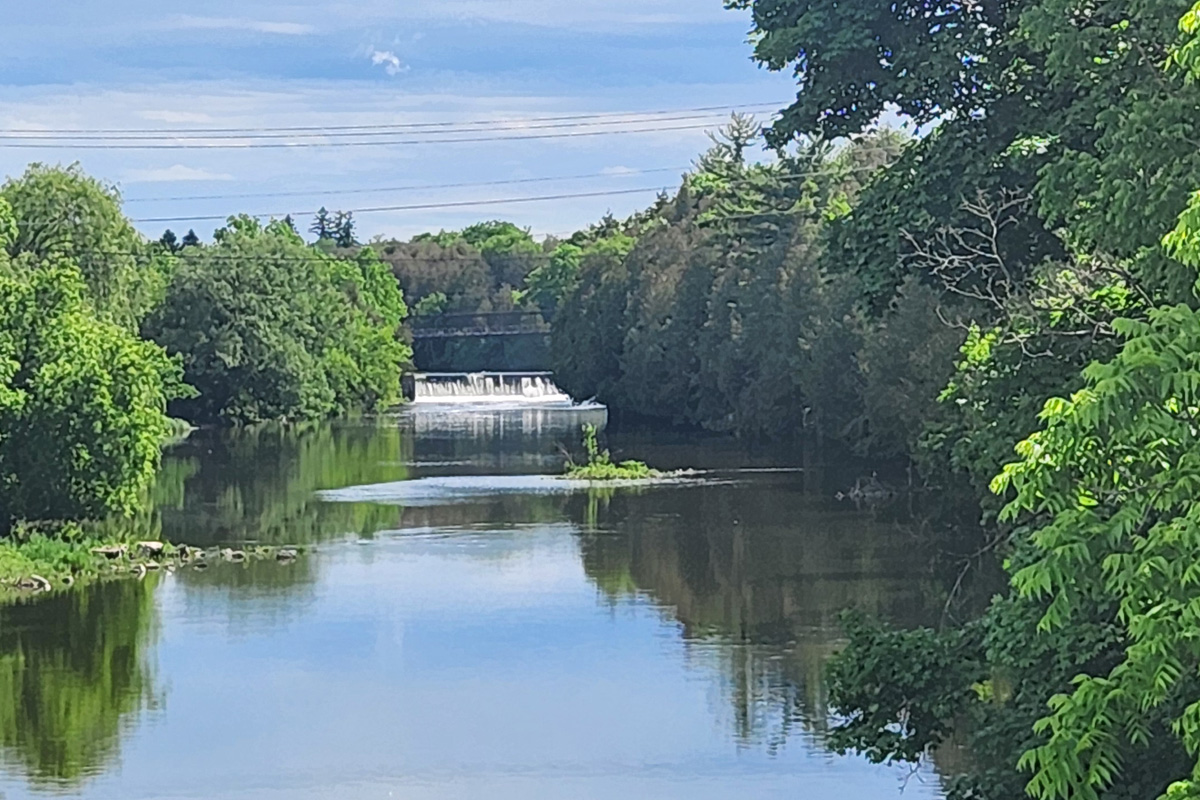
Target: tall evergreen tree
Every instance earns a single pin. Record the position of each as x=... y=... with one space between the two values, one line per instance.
x=343 y=229
x=170 y=242
x=322 y=226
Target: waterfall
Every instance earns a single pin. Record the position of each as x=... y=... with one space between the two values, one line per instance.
x=486 y=387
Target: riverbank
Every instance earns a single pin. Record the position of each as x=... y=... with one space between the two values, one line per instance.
x=35 y=561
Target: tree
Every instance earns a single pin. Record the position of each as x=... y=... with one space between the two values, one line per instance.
x=548 y=283
x=428 y=265
x=190 y=239
x=854 y=60
x=271 y=329
x=170 y=242
x=322 y=226
x=82 y=401
x=510 y=252
x=343 y=230
x=61 y=213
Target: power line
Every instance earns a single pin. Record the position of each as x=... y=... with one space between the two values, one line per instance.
x=65 y=136
x=503 y=201
x=423 y=206
x=392 y=143
x=786 y=176
x=416 y=187
x=596 y=115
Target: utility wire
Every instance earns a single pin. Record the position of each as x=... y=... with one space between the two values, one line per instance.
x=423 y=206
x=486 y=122
x=391 y=143
x=791 y=176
x=787 y=176
x=65 y=136
x=409 y=188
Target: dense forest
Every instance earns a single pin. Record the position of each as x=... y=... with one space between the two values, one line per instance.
x=1021 y=273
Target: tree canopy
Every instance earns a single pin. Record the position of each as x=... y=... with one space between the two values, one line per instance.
x=270 y=328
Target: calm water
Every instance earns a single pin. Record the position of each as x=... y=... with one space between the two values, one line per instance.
x=463 y=628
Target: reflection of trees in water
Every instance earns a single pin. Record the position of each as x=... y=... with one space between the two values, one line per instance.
x=74 y=668
x=251 y=595
x=500 y=511
x=258 y=485
x=757 y=575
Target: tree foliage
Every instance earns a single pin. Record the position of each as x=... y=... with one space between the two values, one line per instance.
x=269 y=328
x=82 y=400
x=62 y=213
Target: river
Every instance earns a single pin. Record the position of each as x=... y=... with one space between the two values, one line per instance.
x=461 y=628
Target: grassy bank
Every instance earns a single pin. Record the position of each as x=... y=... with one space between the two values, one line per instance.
x=34 y=560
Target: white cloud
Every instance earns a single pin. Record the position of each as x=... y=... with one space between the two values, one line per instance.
x=178 y=173
x=388 y=60
x=233 y=24
x=620 y=171
x=432 y=98
x=164 y=115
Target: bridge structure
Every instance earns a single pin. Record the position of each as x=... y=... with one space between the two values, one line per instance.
x=503 y=341
x=481 y=325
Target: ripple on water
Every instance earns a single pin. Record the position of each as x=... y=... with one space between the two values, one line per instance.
x=464 y=488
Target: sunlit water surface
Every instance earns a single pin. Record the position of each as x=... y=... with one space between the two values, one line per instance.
x=462 y=627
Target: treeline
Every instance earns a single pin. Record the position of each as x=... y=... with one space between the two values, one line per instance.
x=1026 y=272
x=104 y=333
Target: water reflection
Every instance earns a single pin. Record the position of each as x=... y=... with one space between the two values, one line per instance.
x=757 y=574
x=75 y=673
x=501 y=642
x=258 y=485
x=455 y=440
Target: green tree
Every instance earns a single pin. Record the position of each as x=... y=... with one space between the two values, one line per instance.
x=170 y=242
x=61 y=213
x=343 y=230
x=322 y=225
x=269 y=328
x=82 y=401
x=551 y=281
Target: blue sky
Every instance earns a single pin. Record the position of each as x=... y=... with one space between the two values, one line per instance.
x=153 y=64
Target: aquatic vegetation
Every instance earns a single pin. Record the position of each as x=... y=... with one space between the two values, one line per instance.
x=600 y=466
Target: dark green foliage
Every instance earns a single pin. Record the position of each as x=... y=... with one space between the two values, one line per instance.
x=450 y=267
x=170 y=242
x=854 y=59
x=343 y=229
x=899 y=691
x=548 y=283
x=714 y=310
x=322 y=226
x=586 y=346
x=269 y=328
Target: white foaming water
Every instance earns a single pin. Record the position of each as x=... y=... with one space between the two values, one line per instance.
x=488 y=387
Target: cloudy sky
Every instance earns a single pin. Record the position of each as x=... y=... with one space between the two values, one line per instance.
x=495 y=68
